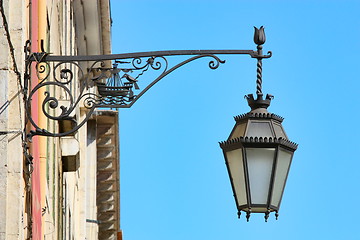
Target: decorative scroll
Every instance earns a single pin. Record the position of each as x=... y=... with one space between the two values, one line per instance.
x=64 y=86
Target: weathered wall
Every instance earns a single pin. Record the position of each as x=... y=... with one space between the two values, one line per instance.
x=70 y=198
x=12 y=215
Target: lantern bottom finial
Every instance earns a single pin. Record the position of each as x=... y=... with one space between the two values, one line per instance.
x=248 y=213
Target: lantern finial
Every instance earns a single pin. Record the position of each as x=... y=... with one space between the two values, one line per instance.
x=259 y=102
x=248 y=213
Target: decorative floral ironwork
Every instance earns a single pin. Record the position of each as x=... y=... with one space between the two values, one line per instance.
x=259 y=35
x=116 y=79
x=117 y=86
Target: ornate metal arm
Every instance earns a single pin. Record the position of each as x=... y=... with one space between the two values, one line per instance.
x=116 y=77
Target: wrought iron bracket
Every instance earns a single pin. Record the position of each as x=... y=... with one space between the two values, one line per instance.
x=104 y=81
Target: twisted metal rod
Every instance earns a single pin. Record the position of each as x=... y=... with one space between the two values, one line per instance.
x=259 y=70
x=259 y=77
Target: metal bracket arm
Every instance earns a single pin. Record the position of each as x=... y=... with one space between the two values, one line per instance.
x=44 y=57
x=110 y=81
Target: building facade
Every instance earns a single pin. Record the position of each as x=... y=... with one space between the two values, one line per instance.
x=55 y=187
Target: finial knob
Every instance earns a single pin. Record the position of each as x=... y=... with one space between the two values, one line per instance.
x=259 y=36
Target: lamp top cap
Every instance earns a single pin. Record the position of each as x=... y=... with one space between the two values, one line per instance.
x=259 y=104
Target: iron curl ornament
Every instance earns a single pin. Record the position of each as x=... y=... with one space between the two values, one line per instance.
x=67 y=83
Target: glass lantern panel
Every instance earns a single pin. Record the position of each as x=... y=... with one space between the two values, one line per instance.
x=236 y=168
x=259 y=129
x=281 y=172
x=260 y=165
x=279 y=131
x=239 y=131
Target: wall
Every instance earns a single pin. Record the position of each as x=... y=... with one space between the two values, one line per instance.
x=46 y=202
x=12 y=196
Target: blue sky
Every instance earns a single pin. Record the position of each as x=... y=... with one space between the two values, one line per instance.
x=174 y=183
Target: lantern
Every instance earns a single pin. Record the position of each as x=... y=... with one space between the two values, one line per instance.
x=258 y=156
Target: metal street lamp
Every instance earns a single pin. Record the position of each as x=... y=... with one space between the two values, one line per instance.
x=258 y=156
x=257 y=153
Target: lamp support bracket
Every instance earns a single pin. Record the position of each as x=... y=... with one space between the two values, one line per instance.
x=104 y=81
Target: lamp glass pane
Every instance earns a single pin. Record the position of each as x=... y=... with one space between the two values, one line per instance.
x=281 y=172
x=259 y=129
x=236 y=168
x=260 y=163
x=239 y=131
x=279 y=131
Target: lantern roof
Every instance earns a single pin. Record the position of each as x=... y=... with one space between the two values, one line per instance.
x=259 y=125
x=259 y=115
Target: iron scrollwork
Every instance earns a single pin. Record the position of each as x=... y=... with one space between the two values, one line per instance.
x=67 y=83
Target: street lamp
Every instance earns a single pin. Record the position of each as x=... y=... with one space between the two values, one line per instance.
x=258 y=156
x=257 y=153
